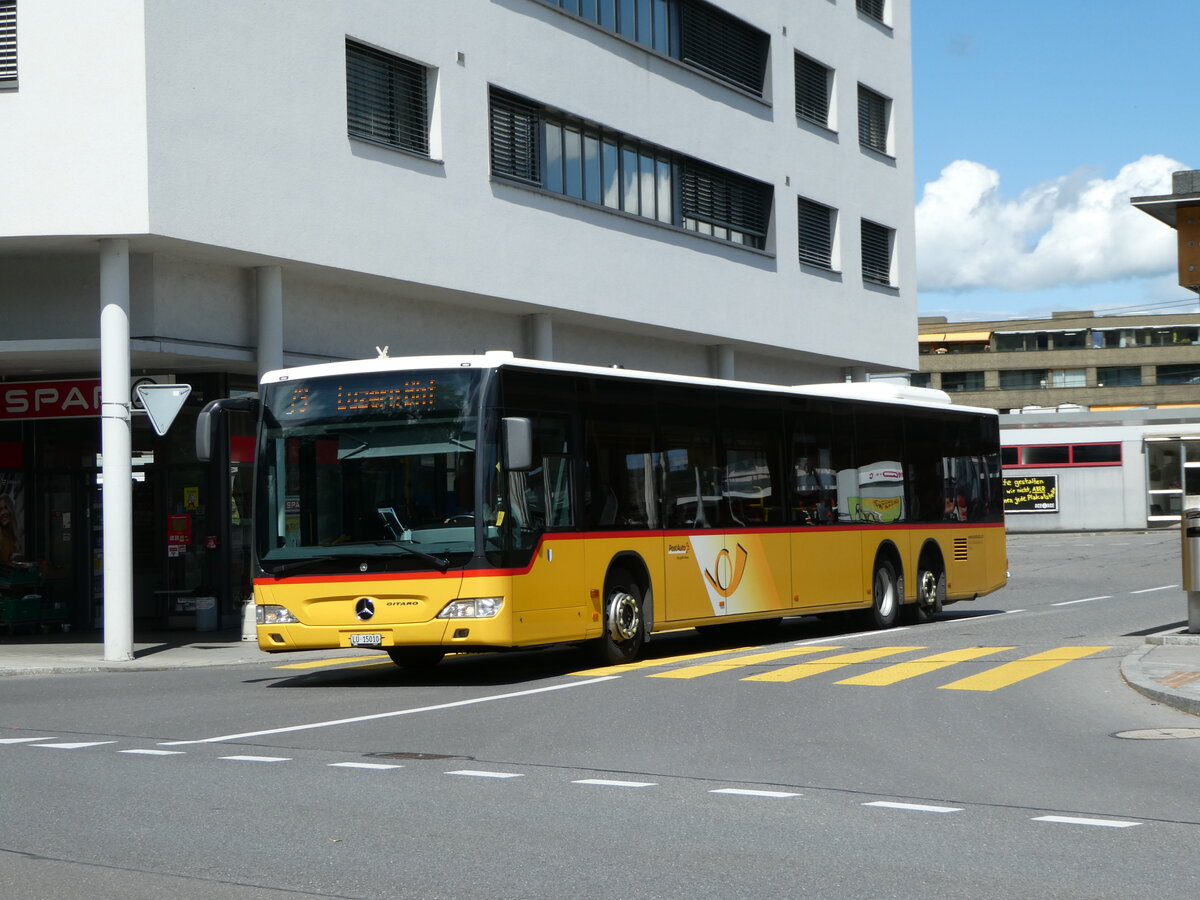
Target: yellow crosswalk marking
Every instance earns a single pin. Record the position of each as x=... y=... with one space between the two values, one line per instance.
x=1019 y=670
x=318 y=663
x=913 y=668
x=737 y=662
x=663 y=661
x=829 y=664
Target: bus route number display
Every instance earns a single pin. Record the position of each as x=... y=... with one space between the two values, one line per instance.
x=1031 y=494
x=410 y=394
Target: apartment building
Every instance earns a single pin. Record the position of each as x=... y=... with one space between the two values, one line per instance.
x=1075 y=359
x=710 y=188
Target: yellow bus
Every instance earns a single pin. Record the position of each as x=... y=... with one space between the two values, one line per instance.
x=435 y=505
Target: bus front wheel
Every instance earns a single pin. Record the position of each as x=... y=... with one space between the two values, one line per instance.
x=624 y=622
x=886 y=595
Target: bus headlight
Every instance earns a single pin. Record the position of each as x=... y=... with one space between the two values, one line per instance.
x=273 y=615
x=475 y=608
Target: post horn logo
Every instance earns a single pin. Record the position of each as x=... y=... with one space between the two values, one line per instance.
x=729 y=572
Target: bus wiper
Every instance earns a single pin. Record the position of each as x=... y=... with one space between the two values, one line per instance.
x=284 y=568
x=440 y=561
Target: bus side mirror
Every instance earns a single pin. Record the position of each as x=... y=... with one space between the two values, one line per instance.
x=206 y=422
x=516 y=444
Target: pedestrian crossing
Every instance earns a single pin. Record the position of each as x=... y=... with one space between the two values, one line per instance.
x=775 y=666
x=785 y=665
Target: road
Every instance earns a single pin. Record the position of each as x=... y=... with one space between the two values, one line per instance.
x=992 y=753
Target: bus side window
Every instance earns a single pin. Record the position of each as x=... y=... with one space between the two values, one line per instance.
x=623 y=476
x=692 y=491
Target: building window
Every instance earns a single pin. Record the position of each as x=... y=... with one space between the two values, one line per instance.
x=1062 y=455
x=691 y=31
x=871 y=8
x=387 y=99
x=722 y=203
x=1070 y=340
x=962 y=381
x=1119 y=376
x=816 y=234
x=920 y=379
x=564 y=154
x=872 y=119
x=876 y=253
x=1022 y=379
x=1187 y=373
x=814 y=83
x=8 y=44
x=1060 y=378
x=1022 y=341
x=515 y=127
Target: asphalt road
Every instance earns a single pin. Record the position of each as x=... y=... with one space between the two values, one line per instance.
x=993 y=753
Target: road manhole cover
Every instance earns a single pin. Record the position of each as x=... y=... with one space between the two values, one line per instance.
x=1158 y=734
x=405 y=755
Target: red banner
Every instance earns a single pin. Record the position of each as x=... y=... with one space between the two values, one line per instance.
x=49 y=399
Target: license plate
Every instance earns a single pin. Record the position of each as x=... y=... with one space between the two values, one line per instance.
x=366 y=640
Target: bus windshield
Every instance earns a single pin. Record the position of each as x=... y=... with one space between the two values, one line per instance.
x=376 y=464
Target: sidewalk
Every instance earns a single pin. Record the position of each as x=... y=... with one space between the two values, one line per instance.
x=51 y=654
x=1166 y=669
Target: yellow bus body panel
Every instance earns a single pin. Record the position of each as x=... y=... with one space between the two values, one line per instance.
x=694 y=579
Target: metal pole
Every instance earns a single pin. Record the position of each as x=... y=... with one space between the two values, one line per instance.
x=1189 y=526
x=116 y=448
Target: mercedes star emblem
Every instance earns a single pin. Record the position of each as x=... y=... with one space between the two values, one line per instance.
x=364 y=608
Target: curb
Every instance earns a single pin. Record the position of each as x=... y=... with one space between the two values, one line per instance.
x=1135 y=676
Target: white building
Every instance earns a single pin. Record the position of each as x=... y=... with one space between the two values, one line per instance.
x=703 y=188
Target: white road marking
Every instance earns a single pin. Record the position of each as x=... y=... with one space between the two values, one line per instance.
x=846 y=637
x=475 y=773
x=747 y=793
x=916 y=807
x=155 y=752
x=605 y=782
x=1084 y=600
x=24 y=740
x=75 y=745
x=1165 y=587
x=1072 y=820
x=388 y=715
x=358 y=765
x=261 y=759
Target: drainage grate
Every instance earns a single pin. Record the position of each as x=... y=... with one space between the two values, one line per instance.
x=1158 y=734
x=403 y=755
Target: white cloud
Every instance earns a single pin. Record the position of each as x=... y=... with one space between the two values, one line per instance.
x=1072 y=230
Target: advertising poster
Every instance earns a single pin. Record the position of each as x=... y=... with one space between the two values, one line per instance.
x=12 y=516
x=1031 y=494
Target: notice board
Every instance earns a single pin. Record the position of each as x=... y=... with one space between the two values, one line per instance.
x=1031 y=494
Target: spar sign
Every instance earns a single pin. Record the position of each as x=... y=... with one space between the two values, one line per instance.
x=49 y=399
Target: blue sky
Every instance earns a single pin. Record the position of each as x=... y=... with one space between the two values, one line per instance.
x=1035 y=120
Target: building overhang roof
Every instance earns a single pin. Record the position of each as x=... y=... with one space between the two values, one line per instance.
x=1164 y=206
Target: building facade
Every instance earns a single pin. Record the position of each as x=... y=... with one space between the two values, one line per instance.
x=704 y=188
x=1072 y=358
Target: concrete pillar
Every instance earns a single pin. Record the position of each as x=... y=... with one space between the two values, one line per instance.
x=857 y=373
x=721 y=361
x=116 y=448
x=268 y=282
x=541 y=336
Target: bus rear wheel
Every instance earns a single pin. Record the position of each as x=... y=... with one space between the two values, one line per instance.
x=416 y=657
x=624 y=621
x=931 y=594
x=886 y=595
